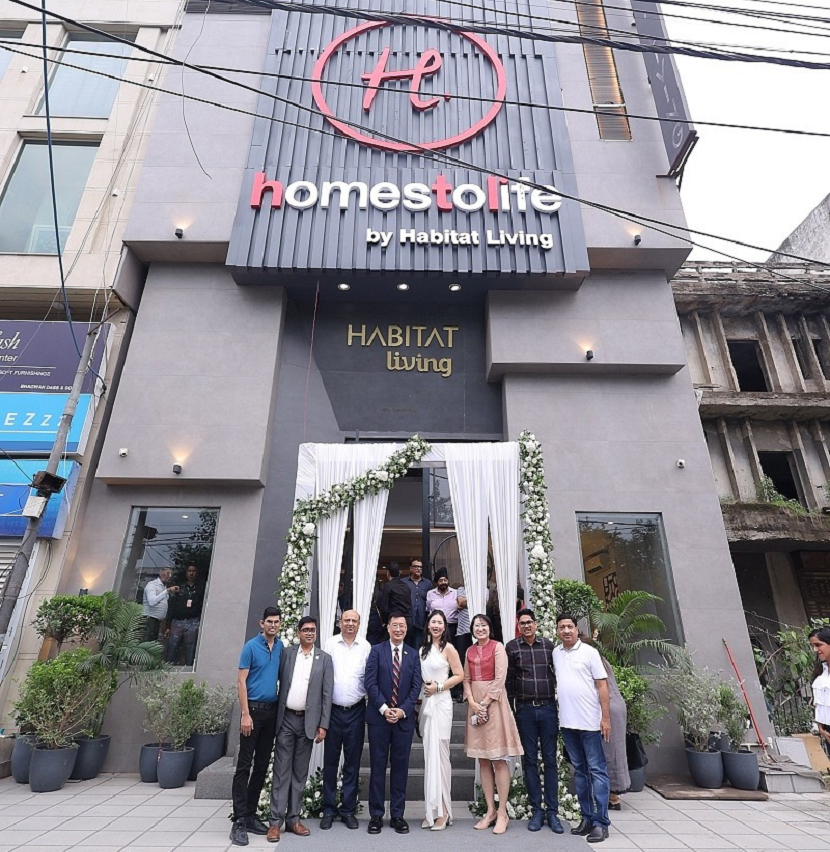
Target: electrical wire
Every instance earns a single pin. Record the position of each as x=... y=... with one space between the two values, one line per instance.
x=407 y=93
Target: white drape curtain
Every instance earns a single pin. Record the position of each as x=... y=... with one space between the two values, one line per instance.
x=502 y=466
x=468 y=482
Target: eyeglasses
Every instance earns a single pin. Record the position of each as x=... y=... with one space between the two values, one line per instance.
x=308 y=630
x=525 y=623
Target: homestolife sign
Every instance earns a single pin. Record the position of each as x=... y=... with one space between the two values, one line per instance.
x=348 y=173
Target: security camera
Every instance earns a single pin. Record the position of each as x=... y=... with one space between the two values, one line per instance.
x=681 y=462
x=123 y=452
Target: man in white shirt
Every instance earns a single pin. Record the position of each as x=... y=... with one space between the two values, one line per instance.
x=303 y=713
x=348 y=721
x=584 y=721
x=156 y=595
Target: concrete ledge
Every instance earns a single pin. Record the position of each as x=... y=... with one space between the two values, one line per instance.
x=6 y=748
x=215 y=781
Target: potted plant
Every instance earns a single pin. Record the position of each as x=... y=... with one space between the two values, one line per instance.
x=55 y=703
x=740 y=767
x=66 y=617
x=176 y=705
x=24 y=744
x=642 y=711
x=155 y=692
x=209 y=740
x=121 y=655
x=695 y=694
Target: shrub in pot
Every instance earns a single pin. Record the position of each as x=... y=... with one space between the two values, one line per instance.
x=740 y=767
x=121 y=655
x=695 y=694
x=55 y=703
x=68 y=617
x=175 y=706
x=209 y=739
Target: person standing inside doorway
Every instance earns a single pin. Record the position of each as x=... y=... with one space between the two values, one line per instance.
x=156 y=598
x=185 y=617
x=585 y=719
x=256 y=686
x=420 y=587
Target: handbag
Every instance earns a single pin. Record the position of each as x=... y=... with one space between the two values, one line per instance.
x=635 y=751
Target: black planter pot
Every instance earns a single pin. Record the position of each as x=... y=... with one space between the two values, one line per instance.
x=207 y=749
x=638 y=780
x=706 y=768
x=50 y=768
x=741 y=769
x=174 y=767
x=92 y=752
x=148 y=762
x=22 y=757
x=719 y=741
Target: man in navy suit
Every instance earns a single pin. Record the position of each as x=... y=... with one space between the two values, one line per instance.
x=393 y=683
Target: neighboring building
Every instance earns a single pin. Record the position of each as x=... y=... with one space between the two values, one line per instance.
x=758 y=347
x=311 y=281
x=98 y=129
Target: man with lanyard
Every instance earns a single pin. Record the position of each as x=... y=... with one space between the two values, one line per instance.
x=531 y=691
x=348 y=721
x=420 y=588
x=585 y=717
x=186 y=615
x=256 y=684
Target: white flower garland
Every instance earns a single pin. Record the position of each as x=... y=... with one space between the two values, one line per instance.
x=537 y=537
x=294 y=585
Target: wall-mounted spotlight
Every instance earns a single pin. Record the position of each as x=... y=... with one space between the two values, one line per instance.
x=179 y=232
x=589 y=354
x=637 y=239
x=177 y=469
x=82 y=593
x=344 y=286
x=403 y=286
x=455 y=287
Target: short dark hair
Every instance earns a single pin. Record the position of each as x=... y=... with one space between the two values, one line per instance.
x=306 y=619
x=416 y=559
x=566 y=616
x=270 y=612
x=394 y=570
x=486 y=619
x=526 y=611
x=397 y=615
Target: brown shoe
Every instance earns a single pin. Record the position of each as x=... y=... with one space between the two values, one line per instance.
x=273 y=835
x=299 y=829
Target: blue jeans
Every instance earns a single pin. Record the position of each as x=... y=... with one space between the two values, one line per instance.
x=539 y=727
x=591 y=771
x=187 y=629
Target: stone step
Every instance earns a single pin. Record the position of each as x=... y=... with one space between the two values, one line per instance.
x=463 y=784
x=458 y=757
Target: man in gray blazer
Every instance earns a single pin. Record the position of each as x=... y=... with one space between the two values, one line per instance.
x=303 y=711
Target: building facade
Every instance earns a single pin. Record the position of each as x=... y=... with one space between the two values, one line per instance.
x=364 y=230
x=757 y=343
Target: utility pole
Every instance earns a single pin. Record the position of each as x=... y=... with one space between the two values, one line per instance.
x=14 y=585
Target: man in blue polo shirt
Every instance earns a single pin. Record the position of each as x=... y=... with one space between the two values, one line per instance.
x=256 y=684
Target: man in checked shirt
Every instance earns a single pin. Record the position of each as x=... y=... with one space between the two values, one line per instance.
x=531 y=690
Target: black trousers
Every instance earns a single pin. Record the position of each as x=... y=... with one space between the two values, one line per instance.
x=346 y=733
x=252 y=762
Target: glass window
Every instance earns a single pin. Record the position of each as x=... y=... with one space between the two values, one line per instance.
x=78 y=93
x=623 y=552
x=5 y=55
x=181 y=540
x=26 y=222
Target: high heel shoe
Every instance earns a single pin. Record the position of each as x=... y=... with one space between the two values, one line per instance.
x=425 y=824
x=485 y=823
x=447 y=821
x=506 y=822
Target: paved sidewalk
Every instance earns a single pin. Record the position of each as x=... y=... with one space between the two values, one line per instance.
x=118 y=812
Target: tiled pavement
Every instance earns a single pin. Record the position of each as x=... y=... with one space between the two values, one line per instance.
x=118 y=812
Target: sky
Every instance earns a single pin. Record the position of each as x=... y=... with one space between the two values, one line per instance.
x=752 y=186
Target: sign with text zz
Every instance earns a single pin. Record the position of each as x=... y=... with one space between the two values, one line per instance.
x=29 y=421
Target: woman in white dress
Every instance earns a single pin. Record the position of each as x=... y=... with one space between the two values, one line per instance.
x=440 y=670
x=820 y=642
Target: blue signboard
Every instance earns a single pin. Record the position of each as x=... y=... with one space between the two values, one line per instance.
x=15 y=488
x=29 y=421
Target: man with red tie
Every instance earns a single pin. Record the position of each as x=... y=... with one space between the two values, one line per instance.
x=393 y=683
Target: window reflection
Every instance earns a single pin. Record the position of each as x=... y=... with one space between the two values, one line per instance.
x=622 y=552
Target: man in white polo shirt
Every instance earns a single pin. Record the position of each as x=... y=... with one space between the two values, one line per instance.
x=584 y=721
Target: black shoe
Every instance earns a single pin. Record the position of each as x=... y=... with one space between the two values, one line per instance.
x=255 y=825
x=535 y=822
x=375 y=825
x=239 y=836
x=553 y=823
x=350 y=821
x=597 y=834
x=583 y=828
x=400 y=825
x=326 y=822
x=615 y=806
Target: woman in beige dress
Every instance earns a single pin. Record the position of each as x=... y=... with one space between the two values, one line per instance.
x=492 y=736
